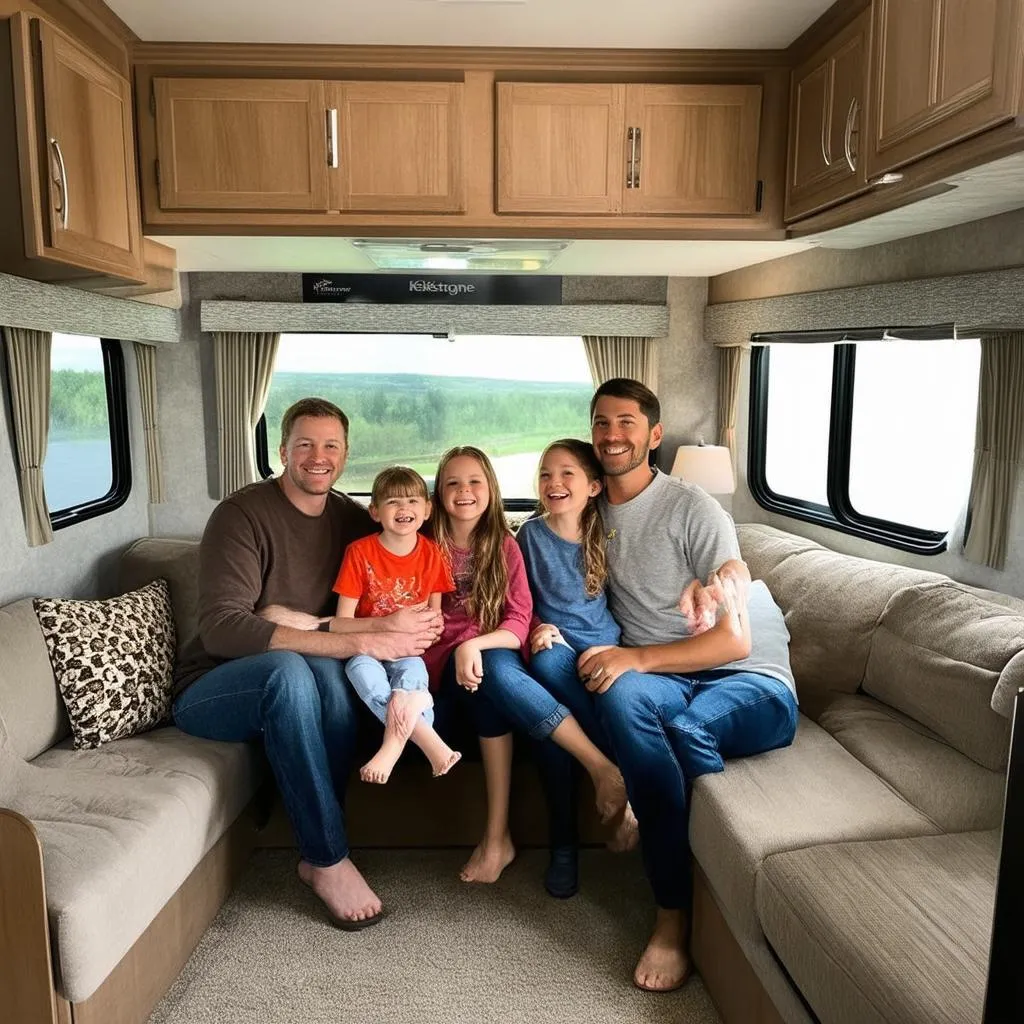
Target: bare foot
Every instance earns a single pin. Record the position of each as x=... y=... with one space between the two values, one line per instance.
x=404 y=709
x=626 y=834
x=445 y=765
x=488 y=860
x=343 y=889
x=610 y=790
x=665 y=964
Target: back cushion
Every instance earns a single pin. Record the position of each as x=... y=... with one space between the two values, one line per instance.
x=30 y=706
x=176 y=561
x=936 y=656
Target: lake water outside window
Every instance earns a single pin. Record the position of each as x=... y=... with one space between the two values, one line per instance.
x=78 y=466
x=411 y=397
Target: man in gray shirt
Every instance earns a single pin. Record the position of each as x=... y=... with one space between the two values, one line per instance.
x=681 y=693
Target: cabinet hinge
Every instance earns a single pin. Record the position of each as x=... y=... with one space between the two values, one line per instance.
x=156 y=168
x=759 y=196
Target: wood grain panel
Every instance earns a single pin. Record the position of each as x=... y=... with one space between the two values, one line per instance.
x=231 y=144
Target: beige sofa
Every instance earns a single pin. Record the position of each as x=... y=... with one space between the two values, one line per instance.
x=852 y=875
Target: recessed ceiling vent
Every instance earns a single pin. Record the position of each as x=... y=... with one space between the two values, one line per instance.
x=520 y=256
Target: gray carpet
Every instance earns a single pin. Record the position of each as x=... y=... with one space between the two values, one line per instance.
x=447 y=953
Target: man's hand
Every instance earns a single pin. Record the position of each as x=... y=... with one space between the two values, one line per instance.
x=599 y=667
x=282 y=616
x=416 y=619
x=391 y=646
x=469 y=666
x=543 y=636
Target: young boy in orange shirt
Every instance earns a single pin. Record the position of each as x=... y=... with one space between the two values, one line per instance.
x=396 y=568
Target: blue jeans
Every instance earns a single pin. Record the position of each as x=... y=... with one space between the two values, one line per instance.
x=374 y=680
x=667 y=730
x=304 y=713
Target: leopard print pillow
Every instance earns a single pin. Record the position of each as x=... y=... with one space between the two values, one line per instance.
x=113 y=661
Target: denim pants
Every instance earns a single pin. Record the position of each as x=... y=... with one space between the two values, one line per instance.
x=303 y=711
x=374 y=680
x=666 y=731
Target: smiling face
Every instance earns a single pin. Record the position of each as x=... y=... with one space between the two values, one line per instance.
x=562 y=483
x=464 y=491
x=621 y=435
x=401 y=515
x=313 y=459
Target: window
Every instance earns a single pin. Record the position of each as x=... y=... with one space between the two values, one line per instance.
x=411 y=397
x=88 y=464
x=874 y=438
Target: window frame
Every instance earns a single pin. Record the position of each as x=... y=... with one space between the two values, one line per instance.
x=120 y=445
x=840 y=514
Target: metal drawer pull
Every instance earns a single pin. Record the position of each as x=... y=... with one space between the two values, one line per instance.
x=851 y=118
x=631 y=159
x=332 y=137
x=62 y=184
x=637 y=158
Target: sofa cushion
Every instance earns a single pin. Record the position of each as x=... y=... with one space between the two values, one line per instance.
x=31 y=710
x=812 y=792
x=936 y=655
x=176 y=561
x=113 y=659
x=121 y=828
x=885 y=932
x=951 y=789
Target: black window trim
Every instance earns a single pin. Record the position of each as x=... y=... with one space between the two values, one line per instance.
x=840 y=514
x=120 y=445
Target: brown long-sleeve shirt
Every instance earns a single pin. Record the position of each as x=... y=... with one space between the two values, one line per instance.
x=258 y=549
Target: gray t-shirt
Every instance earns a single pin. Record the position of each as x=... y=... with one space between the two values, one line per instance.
x=670 y=534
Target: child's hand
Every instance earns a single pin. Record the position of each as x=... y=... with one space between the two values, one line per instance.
x=469 y=666
x=543 y=636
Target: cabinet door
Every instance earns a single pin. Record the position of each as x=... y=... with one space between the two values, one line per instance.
x=827 y=110
x=561 y=148
x=694 y=149
x=945 y=69
x=241 y=144
x=86 y=153
x=396 y=147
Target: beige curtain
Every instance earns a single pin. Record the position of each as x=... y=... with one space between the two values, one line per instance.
x=999 y=448
x=28 y=367
x=244 y=364
x=145 y=362
x=621 y=357
x=728 y=395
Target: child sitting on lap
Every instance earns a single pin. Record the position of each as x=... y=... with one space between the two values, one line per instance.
x=396 y=568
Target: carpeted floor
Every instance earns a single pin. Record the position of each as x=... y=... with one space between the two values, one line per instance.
x=447 y=953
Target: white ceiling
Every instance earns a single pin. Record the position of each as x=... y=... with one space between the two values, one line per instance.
x=673 y=24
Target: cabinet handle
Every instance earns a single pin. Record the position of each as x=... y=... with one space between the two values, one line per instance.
x=824 y=145
x=630 y=160
x=851 y=118
x=637 y=158
x=332 y=137
x=62 y=183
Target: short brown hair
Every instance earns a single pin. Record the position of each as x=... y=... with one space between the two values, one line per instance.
x=625 y=387
x=310 y=407
x=398 y=482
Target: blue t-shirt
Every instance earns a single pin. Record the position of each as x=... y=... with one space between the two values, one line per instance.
x=555 y=569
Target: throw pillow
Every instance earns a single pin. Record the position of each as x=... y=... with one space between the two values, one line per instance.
x=113 y=661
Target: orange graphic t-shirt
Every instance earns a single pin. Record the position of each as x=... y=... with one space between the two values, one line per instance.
x=383 y=582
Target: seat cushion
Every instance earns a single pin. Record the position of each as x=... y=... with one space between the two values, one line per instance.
x=892 y=932
x=951 y=789
x=122 y=827
x=812 y=792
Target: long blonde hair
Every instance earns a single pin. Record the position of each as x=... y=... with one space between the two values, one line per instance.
x=489 y=592
x=592 y=541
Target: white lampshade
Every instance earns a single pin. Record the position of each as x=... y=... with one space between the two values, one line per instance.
x=706 y=465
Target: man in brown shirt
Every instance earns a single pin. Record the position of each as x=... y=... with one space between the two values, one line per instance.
x=268 y=661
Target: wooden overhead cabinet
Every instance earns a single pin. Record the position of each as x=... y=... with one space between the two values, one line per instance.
x=631 y=149
x=76 y=157
x=308 y=146
x=945 y=70
x=828 y=107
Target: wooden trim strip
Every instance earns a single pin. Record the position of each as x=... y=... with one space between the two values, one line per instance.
x=95 y=13
x=827 y=27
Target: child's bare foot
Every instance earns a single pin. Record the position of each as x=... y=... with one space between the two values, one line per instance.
x=488 y=860
x=610 y=790
x=445 y=764
x=349 y=900
x=665 y=963
x=626 y=834
x=404 y=709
